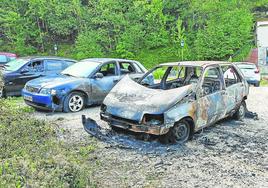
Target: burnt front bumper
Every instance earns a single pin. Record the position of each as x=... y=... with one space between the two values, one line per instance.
x=133 y=126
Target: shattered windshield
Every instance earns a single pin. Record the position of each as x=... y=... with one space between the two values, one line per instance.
x=168 y=77
x=81 y=69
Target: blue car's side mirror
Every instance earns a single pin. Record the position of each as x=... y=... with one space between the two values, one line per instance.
x=98 y=75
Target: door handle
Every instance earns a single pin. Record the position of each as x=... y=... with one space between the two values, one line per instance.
x=116 y=80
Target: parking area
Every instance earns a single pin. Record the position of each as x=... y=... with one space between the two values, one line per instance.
x=231 y=153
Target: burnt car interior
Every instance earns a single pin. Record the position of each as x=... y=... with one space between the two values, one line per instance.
x=170 y=77
x=231 y=77
x=212 y=80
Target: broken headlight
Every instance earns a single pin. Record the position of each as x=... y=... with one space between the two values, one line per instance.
x=153 y=119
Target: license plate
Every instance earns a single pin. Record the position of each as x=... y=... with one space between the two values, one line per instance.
x=28 y=98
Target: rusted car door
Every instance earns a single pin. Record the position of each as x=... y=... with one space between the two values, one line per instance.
x=102 y=86
x=211 y=101
x=234 y=87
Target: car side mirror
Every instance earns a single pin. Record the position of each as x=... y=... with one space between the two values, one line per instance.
x=23 y=71
x=98 y=75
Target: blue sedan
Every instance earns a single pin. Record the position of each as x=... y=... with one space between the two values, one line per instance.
x=84 y=83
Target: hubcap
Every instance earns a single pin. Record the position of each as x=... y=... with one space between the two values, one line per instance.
x=76 y=103
x=241 y=111
x=181 y=132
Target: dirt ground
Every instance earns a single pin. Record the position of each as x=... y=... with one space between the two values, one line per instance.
x=229 y=154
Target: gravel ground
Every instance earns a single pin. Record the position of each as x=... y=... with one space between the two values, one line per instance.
x=228 y=154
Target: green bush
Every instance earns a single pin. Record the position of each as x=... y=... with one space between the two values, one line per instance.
x=32 y=156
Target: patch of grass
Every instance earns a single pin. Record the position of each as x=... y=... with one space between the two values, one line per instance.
x=264 y=82
x=32 y=156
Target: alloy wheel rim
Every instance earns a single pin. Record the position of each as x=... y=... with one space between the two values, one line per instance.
x=76 y=103
x=181 y=132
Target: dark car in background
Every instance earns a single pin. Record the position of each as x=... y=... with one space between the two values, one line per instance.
x=24 y=69
x=85 y=83
x=5 y=57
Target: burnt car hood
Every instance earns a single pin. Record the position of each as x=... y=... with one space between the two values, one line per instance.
x=53 y=81
x=131 y=100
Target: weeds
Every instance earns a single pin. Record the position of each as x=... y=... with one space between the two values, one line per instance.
x=32 y=156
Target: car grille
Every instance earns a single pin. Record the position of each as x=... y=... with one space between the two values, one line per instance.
x=32 y=89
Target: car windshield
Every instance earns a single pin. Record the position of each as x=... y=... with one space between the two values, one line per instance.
x=81 y=69
x=16 y=64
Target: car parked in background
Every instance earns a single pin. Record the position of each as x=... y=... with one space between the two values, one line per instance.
x=85 y=83
x=251 y=72
x=175 y=100
x=24 y=69
x=5 y=57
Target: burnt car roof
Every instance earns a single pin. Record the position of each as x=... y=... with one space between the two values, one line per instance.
x=44 y=57
x=195 y=63
x=104 y=60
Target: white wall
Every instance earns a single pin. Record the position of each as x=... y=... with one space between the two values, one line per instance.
x=262 y=41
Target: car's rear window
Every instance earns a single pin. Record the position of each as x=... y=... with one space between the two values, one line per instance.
x=15 y=64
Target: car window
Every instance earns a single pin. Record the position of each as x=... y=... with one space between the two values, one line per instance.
x=35 y=66
x=53 y=65
x=108 y=69
x=230 y=75
x=155 y=76
x=3 y=59
x=126 y=68
x=138 y=68
x=211 y=81
x=67 y=64
x=176 y=73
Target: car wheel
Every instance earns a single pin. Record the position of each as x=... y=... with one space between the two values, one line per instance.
x=180 y=132
x=74 y=102
x=241 y=111
x=257 y=84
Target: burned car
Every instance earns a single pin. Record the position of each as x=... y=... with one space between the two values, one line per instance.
x=174 y=100
x=84 y=83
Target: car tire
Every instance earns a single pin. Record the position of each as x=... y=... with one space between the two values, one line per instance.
x=257 y=84
x=241 y=111
x=179 y=133
x=74 y=102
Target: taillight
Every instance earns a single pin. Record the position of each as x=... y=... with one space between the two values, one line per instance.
x=257 y=71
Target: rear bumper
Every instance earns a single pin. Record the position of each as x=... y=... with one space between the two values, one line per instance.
x=43 y=102
x=121 y=123
x=253 y=82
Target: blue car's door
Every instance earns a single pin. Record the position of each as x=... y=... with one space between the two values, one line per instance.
x=100 y=87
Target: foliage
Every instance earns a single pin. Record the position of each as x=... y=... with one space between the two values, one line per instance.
x=211 y=30
x=32 y=156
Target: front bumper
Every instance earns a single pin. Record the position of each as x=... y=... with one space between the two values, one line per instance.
x=40 y=101
x=132 y=126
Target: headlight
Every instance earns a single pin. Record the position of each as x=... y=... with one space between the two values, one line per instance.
x=53 y=92
x=153 y=119
x=45 y=91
